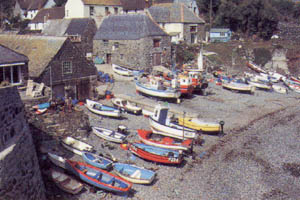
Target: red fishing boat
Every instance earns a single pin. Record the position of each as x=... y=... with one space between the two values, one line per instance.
x=148 y=137
x=155 y=154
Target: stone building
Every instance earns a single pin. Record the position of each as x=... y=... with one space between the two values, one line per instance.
x=179 y=22
x=133 y=41
x=19 y=169
x=56 y=62
x=13 y=67
x=81 y=32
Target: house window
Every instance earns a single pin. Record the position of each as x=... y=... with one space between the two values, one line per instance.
x=106 y=11
x=116 y=45
x=10 y=74
x=193 y=28
x=121 y=56
x=193 y=38
x=67 y=67
x=105 y=43
x=92 y=11
x=116 y=10
x=67 y=13
x=222 y=34
x=195 y=9
x=156 y=42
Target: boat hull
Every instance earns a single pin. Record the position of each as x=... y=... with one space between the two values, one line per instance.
x=144 y=136
x=179 y=132
x=134 y=174
x=109 y=134
x=98 y=177
x=199 y=125
x=154 y=157
x=171 y=94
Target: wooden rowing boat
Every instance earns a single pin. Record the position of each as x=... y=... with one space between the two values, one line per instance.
x=76 y=146
x=103 y=110
x=108 y=134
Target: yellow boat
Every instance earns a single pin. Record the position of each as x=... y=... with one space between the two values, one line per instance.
x=198 y=124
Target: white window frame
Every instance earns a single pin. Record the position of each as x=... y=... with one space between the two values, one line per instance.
x=66 y=69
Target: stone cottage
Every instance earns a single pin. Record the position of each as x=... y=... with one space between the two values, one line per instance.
x=13 y=67
x=133 y=41
x=179 y=22
x=81 y=32
x=56 y=62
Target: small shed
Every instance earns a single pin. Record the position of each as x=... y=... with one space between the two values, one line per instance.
x=220 y=34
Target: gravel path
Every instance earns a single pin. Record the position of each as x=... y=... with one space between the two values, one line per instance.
x=258 y=158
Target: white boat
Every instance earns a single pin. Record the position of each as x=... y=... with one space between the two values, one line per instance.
x=259 y=85
x=65 y=182
x=57 y=160
x=121 y=70
x=160 y=124
x=240 y=87
x=76 y=146
x=155 y=88
x=279 y=89
x=101 y=109
x=126 y=105
x=109 y=135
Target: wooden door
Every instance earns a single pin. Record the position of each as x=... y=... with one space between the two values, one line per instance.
x=108 y=58
x=156 y=59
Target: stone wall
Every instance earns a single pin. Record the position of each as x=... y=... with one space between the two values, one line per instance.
x=134 y=54
x=20 y=176
x=200 y=32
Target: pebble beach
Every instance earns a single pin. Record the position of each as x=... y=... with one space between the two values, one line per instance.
x=257 y=157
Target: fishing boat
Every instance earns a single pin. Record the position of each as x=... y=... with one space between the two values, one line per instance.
x=279 y=89
x=199 y=82
x=185 y=84
x=295 y=79
x=57 y=160
x=154 y=87
x=254 y=67
x=126 y=105
x=99 y=178
x=239 y=87
x=155 y=154
x=41 y=111
x=294 y=87
x=76 y=146
x=122 y=70
x=259 y=85
x=97 y=161
x=134 y=174
x=101 y=109
x=109 y=135
x=199 y=124
x=148 y=137
x=160 y=124
x=65 y=182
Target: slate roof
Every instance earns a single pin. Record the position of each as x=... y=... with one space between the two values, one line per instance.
x=173 y=13
x=133 y=4
x=40 y=50
x=128 y=27
x=103 y=2
x=8 y=56
x=64 y=27
x=50 y=13
x=77 y=26
x=32 y=4
x=56 y=27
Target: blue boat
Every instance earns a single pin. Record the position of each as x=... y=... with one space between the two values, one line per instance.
x=98 y=177
x=134 y=173
x=97 y=161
